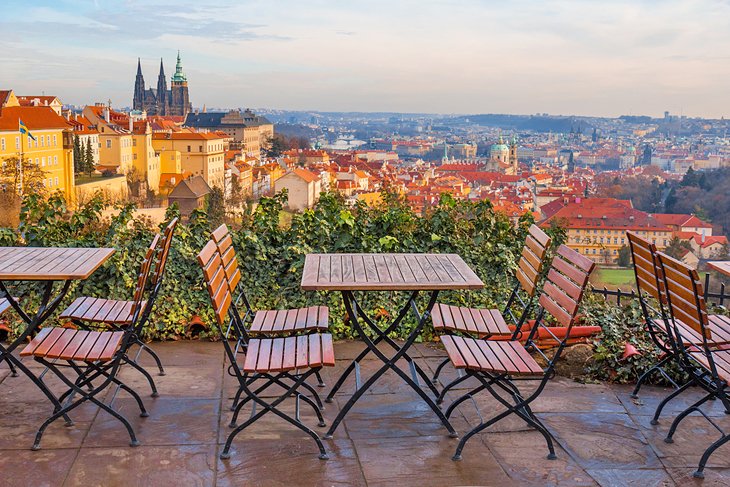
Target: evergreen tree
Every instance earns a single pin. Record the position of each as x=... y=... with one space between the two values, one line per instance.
x=78 y=155
x=216 y=207
x=89 y=158
x=624 y=256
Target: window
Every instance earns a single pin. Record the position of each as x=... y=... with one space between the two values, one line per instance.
x=37 y=162
x=55 y=160
x=134 y=142
x=135 y=157
x=200 y=148
x=594 y=251
x=188 y=148
x=43 y=162
x=55 y=142
x=17 y=142
x=41 y=137
x=56 y=182
x=108 y=143
x=2 y=143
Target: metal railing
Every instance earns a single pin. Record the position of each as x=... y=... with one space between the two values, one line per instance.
x=721 y=298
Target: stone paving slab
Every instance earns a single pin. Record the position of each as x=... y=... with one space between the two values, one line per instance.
x=604 y=437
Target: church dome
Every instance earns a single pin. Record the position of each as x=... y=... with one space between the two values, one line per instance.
x=499 y=148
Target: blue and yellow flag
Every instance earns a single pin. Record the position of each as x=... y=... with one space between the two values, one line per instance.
x=24 y=130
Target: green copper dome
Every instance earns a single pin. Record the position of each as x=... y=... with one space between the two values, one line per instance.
x=179 y=76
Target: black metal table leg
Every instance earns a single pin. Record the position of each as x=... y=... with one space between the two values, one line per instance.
x=353 y=310
x=45 y=309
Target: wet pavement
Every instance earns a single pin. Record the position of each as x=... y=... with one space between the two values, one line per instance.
x=389 y=438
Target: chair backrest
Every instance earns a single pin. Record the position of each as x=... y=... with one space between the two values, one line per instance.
x=685 y=295
x=161 y=261
x=216 y=281
x=564 y=286
x=530 y=265
x=144 y=274
x=647 y=269
x=224 y=244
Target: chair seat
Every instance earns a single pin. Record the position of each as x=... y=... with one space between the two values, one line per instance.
x=490 y=356
x=721 y=359
x=474 y=321
x=78 y=345
x=266 y=355
x=290 y=320
x=719 y=327
x=99 y=310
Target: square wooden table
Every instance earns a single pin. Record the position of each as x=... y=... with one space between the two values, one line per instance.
x=48 y=265
x=412 y=273
x=722 y=266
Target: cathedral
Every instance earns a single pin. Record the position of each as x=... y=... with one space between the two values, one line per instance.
x=161 y=101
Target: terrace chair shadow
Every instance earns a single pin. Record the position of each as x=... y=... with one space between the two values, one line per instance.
x=90 y=313
x=697 y=336
x=285 y=361
x=267 y=323
x=94 y=356
x=490 y=323
x=499 y=364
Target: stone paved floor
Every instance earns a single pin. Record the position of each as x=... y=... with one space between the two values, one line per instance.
x=389 y=438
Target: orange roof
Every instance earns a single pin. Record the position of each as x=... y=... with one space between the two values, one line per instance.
x=307 y=176
x=43 y=100
x=681 y=220
x=35 y=118
x=185 y=136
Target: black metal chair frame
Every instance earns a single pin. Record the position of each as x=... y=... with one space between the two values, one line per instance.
x=46 y=308
x=355 y=313
x=701 y=375
x=658 y=327
x=88 y=371
x=518 y=322
x=506 y=383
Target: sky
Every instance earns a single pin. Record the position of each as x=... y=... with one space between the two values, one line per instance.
x=582 y=57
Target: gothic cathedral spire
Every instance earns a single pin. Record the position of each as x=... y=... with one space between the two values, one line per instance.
x=162 y=101
x=138 y=100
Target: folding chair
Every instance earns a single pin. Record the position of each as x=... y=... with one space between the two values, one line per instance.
x=499 y=364
x=652 y=298
x=286 y=361
x=488 y=323
x=117 y=314
x=94 y=355
x=698 y=337
x=283 y=322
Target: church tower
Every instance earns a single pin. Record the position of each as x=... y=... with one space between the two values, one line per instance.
x=162 y=101
x=513 y=154
x=138 y=100
x=180 y=102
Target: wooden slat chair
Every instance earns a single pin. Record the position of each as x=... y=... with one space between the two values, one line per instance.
x=488 y=323
x=286 y=361
x=4 y=306
x=117 y=314
x=652 y=298
x=498 y=364
x=94 y=356
x=283 y=322
x=707 y=364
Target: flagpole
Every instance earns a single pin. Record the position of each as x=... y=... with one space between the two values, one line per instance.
x=20 y=166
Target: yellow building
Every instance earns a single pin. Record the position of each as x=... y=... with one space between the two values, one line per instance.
x=201 y=154
x=250 y=132
x=116 y=150
x=52 y=149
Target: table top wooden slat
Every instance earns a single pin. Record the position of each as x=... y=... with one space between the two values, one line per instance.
x=722 y=266
x=50 y=263
x=387 y=272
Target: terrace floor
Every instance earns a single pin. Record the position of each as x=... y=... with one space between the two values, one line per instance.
x=389 y=438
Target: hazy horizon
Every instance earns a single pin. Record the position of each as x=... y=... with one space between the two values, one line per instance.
x=582 y=58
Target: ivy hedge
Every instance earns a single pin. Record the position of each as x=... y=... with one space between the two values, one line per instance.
x=271 y=256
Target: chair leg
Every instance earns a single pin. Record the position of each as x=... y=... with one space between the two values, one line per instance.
x=461 y=399
x=449 y=386
x=320 y=382
x=665 y=401
x=154 y=356
x=684 y=414
x=700 y=472
x=147 y=375
x=475 y=430
x=645 y=375
x=435 y=378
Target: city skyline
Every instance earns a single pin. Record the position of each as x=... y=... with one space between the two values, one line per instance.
x=557 y=57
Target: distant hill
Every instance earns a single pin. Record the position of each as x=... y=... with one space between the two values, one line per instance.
x=529 y=122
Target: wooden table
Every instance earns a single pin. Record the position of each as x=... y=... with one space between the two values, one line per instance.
x=722 y=266
x=410 y=273
x=48 y=265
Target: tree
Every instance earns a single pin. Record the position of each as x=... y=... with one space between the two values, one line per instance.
x=89 y=158
x=11 y=174
x=677 y=248
x=78 y=155
x=275 y=146
x=235 y=200
x=624 y=256
x=215 y=207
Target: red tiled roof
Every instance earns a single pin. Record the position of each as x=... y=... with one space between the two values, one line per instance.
x=604 y=213
x=35 y=118
x=307 y=176
x=681 y=220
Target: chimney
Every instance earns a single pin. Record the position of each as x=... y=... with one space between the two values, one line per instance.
x=703 y=236
x=106 y=114
x=131 y=123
